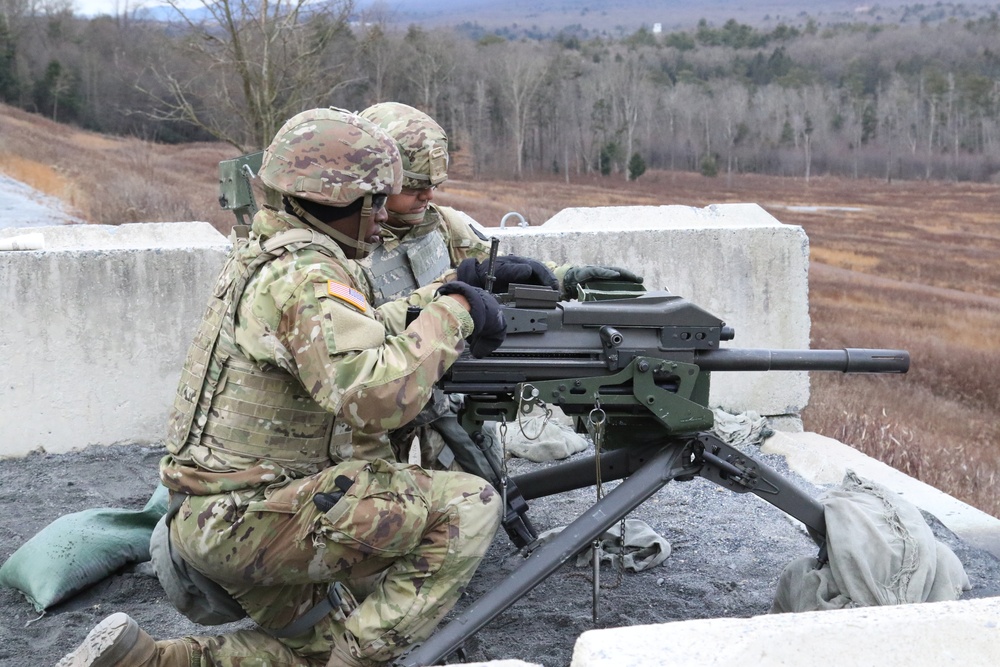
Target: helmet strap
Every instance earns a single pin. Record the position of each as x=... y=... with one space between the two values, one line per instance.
x=408 y=219
x=363 y=249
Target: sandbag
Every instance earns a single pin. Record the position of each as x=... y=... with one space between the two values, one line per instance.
x=881 y=552
x=538 y=438
x=643 y=549
x=80 y=549
x=742 y=429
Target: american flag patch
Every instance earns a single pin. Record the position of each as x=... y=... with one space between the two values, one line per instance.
x=348 y=294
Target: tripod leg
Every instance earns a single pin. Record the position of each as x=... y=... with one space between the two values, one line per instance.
x=729 y=467
x=668 y=463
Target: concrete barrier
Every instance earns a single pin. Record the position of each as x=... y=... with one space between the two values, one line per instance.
x=95 y=330
x=940 y=633
x=99 y=321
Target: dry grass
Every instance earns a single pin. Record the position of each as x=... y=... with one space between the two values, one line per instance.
x=916 y=266
x=113 y=180
x=42 y=177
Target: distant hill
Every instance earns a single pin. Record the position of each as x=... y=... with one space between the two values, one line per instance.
x=618 y=18
x=626 y=16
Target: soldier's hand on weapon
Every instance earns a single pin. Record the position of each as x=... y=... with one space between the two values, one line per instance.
x=508 y=269
x=487 y=317
x=575 y=275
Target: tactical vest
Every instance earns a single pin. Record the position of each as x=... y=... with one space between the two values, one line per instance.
x=412 y=263
x=232 y=405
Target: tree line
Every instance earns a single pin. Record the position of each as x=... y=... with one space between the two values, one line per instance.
x=915 y=99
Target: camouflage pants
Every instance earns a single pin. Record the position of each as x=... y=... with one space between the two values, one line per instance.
x=424 y=533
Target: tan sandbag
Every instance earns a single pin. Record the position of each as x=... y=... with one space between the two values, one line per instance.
x=539 y=438
x=881 y=552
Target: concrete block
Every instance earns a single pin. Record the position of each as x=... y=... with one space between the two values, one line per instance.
x=96 y=327
x=963 y=633
x=734 y=260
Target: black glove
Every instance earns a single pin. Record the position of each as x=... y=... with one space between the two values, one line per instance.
x=490 y=328
x=507 y=269
x=587 y=273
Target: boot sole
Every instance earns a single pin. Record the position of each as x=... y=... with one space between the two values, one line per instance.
x=106 y=645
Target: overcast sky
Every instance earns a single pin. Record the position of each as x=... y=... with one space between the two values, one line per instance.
x=95 y=7
x=112 y=7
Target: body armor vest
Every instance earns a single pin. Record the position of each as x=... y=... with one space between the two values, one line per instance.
x=232 y=405
x=414 y=262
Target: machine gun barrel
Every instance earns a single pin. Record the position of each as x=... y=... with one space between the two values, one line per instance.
x=847 y=360
x=503 y=372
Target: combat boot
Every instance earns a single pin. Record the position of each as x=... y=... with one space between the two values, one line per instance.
x=118 y=641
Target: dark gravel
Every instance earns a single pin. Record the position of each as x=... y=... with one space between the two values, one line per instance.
x=728 y=551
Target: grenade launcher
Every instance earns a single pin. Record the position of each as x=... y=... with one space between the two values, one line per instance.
x=633 y=372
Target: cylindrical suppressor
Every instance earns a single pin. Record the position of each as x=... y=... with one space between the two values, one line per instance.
x=848 y=360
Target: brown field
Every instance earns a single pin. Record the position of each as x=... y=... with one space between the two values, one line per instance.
x=906 y=264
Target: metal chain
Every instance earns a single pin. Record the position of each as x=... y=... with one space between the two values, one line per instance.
x=597 y=420
x=527 y=399
x=595 y=424
x=621 y=557
x=503 y=462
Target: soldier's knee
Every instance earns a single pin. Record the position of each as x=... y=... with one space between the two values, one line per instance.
x=479 y=502
x=490 y=506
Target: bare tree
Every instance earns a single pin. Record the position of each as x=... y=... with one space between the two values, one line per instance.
x=429 y=63
x=255 y=64
x=733 y=104
x=379 y=52
x=518 y=70
x=632 y=95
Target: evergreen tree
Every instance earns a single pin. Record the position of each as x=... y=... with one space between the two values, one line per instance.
x=709 y=166
x=636 y=167
x=10 y=85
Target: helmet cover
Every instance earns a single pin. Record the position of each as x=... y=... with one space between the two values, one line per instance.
x=331 y=157
x=422 y=143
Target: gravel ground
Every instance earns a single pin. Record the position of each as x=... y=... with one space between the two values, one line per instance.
x=727 y=553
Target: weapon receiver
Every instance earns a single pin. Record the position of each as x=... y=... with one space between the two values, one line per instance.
x=643 y=365
x=647 y=360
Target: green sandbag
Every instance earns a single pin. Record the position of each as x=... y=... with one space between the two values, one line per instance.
x=78 y=550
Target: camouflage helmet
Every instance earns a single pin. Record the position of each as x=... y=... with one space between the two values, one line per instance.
x=423 y=144
x=331 y=157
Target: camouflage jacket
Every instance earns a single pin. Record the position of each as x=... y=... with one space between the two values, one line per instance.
x=303 y=313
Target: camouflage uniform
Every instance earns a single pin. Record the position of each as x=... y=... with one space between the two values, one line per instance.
x=418 y=250
x=289 y=364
